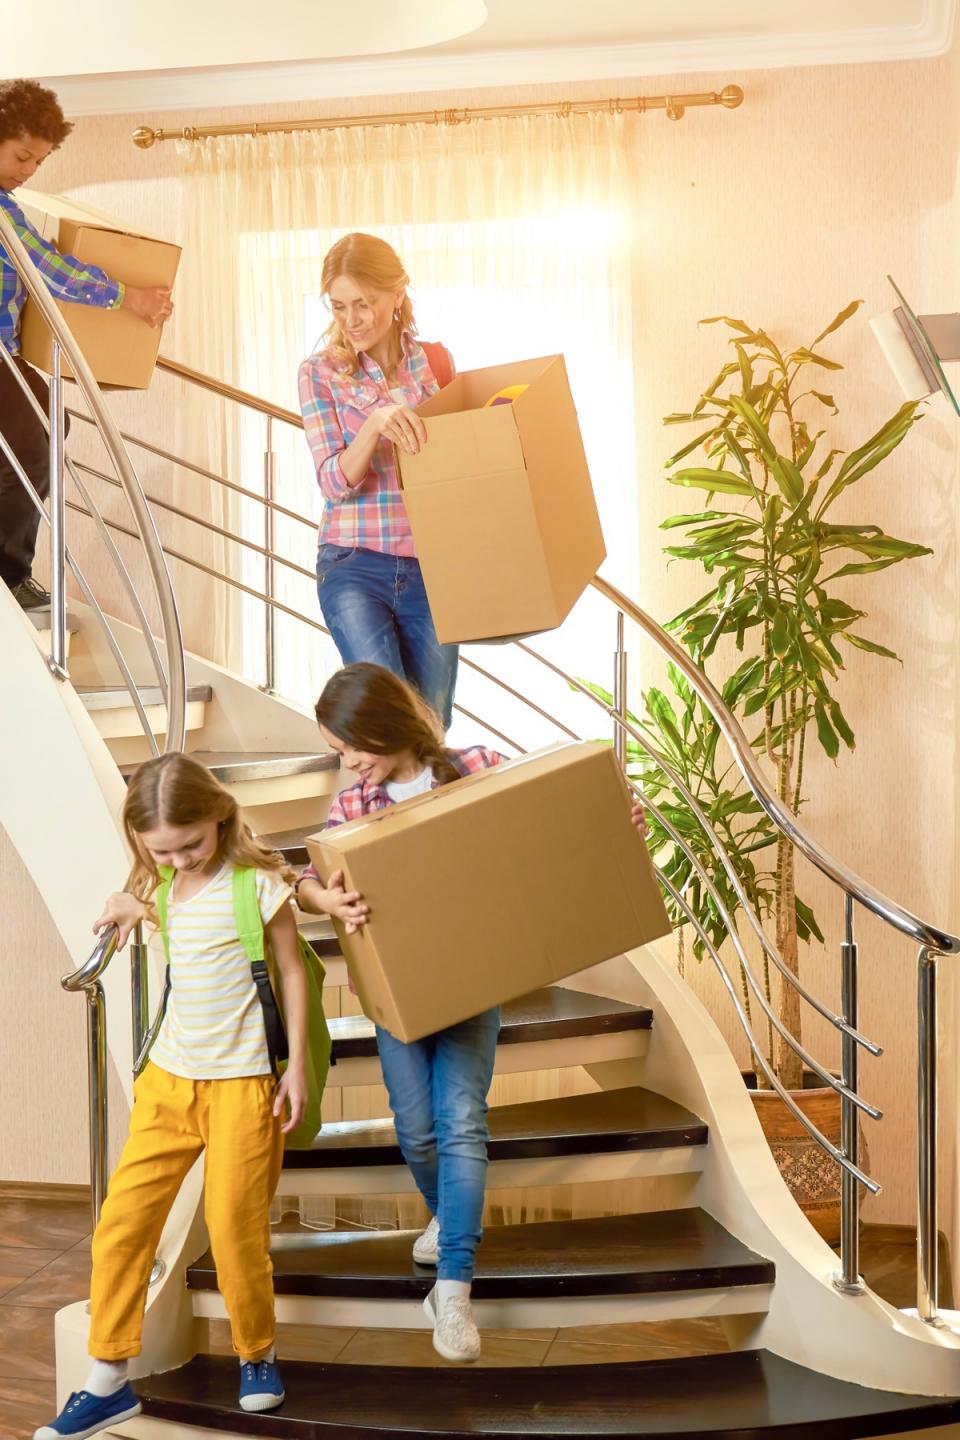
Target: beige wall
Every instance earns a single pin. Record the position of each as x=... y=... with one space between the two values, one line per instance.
x=780 y=212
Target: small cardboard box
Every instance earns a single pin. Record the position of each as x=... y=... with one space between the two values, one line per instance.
x=120 y=348
x=491 y=886
x=500 y=503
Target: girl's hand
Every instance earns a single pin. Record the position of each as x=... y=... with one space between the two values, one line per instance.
x=399 y=425
x=346 y=905
x=292 y=1093
x=638 y=817
x=123 y=910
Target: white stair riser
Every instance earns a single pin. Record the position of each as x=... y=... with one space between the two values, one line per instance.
x=502 y=1174
x=516 y=1314
x=123 y=723
x=514 y=1059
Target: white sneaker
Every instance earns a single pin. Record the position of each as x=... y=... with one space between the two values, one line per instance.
x=426 y=1247
x=455 y=1335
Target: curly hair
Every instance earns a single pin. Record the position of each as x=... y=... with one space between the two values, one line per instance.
x=26 y=108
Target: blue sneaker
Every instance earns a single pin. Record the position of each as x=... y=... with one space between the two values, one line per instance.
x=260 y=1385
x=85 y=1414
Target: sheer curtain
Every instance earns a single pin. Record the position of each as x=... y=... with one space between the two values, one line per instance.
x=515 y=234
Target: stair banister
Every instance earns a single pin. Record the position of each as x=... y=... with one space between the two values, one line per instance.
x=66 y=345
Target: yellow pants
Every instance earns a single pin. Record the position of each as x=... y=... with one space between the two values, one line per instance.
x=172 y=1121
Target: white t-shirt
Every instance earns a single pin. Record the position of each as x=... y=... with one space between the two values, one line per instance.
x=213 y=1027
x=404 y=789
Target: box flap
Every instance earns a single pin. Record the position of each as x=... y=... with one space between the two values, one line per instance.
x=61 y=207
x=470 y=443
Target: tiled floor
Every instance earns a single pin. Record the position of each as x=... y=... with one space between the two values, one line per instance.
x=45 y=1264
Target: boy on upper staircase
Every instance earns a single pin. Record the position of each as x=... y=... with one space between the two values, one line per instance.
x=31 y=126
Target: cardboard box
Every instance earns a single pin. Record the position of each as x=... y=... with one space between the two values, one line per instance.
x=120 y=348
x=500 y=504
x=491 y=886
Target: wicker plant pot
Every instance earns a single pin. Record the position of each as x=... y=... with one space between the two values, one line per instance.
x=812 y=1178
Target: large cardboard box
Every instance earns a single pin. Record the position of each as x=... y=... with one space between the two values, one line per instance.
x=493 y=885
x=500 y=503
x=120 y=348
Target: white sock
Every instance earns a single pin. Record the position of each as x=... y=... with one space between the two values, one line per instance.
x=106 y=1378
x=270 y=1357
x=450 y=1289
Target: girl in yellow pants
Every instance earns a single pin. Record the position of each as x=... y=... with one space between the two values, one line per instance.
x=208 y=1088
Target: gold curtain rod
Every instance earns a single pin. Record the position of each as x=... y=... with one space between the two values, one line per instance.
x=675 y=105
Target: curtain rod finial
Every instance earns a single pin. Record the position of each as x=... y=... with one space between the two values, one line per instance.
x=144 y=137
x=731 y=96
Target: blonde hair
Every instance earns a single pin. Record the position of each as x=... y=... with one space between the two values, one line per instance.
x=174 y=789
x=373 y=265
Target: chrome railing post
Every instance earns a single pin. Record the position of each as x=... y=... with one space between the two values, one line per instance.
x=58 y=544
x=139 y=989
x=620 y=695
x=97 y=1095
x=848 y=1280
x=927 y=1226
x=269 y=568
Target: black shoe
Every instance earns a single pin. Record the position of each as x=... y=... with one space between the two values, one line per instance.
x=31 y=596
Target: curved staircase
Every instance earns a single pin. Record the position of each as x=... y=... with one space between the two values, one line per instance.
x=651 y=1119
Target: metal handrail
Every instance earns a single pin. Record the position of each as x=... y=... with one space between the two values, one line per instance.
x=83 y=375
x=228 y=392
x=848 y=881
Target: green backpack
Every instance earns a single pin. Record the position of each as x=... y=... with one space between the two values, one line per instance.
x=249 y=922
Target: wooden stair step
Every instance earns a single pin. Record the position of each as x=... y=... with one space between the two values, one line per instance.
x=292 y=842
x=598 y=1123
x=751 y=1395
x=233 y=766
x=660 y=1252
x=548 y=1014
x=117 y=697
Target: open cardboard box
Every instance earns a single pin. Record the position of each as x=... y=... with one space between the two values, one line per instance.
x=491 y=886
x=119 y=347
x=500 y=503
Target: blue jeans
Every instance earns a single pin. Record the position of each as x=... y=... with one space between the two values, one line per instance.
x=376 y=609
x=438 y=1094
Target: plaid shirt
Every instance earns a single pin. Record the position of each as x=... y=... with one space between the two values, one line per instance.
x=335 y=403
x=363 y=799
x=67 y=277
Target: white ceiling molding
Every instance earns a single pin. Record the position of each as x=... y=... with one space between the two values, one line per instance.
x=146 y=94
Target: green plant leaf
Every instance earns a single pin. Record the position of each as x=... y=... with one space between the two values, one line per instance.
x=780 y=633
x=693 y=518
x=826 y=400
x=838 y=320
x=723 y=482
x=867 y=567
x=825 y=731
x=690 y=446
x=803 y=356
x=839 y=722
x=740 y=325
x=756 y=426
x=870 y=645
x=788 y=478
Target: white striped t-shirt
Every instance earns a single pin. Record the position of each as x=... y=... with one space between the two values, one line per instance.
x=213 y=1028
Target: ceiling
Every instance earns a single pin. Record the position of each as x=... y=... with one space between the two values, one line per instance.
x=125 y=57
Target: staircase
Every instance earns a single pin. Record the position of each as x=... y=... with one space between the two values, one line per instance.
x=677 y=1215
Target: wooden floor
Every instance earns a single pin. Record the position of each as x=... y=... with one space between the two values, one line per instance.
x=45 y=1264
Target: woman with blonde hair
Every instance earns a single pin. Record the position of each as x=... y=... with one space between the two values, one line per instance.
x=358 y=395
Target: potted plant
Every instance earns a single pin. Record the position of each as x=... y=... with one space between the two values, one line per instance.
x=778 y=564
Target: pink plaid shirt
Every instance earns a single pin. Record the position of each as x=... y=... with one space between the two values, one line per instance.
x=334 y=404
x=363 y=799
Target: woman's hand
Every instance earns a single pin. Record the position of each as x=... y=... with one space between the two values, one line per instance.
x=291 y=1092
x=638 y=817
x=123 y=910
x=401 y=426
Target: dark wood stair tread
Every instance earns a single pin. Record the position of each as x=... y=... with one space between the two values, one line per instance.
x=666 y=1250
x=549 y=1014
x=598 y=1123
x=746 y=1396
